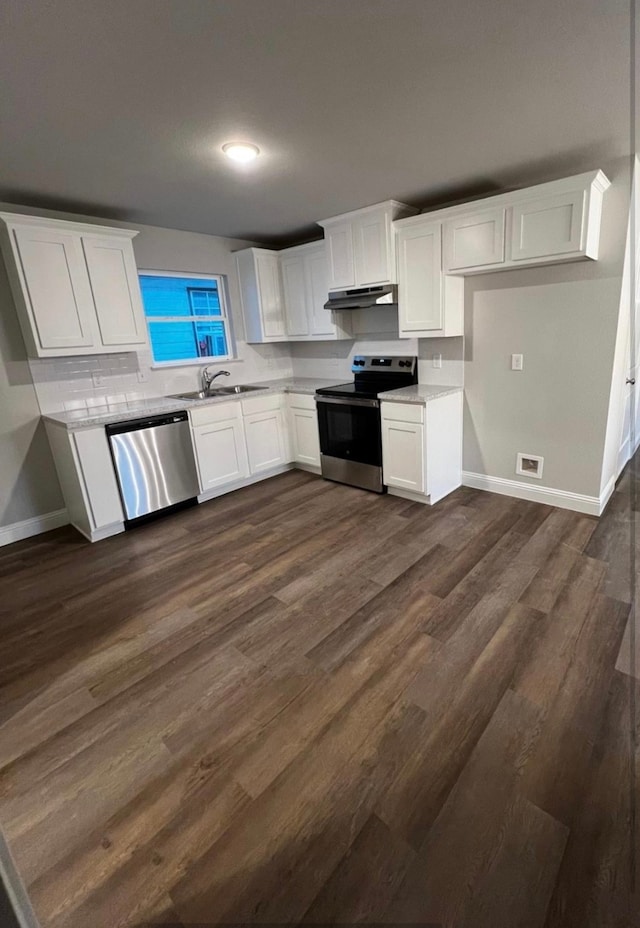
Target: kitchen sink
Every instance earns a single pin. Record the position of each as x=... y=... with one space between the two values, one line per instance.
x=216 y=391
x=229 y=391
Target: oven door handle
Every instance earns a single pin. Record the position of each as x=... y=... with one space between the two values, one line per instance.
x=338 y=401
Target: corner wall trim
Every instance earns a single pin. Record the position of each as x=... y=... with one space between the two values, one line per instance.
x=563 y=499
x=34 y=526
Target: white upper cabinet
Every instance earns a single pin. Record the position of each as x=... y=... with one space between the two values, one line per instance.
x=322 y=322
x=360 y=246
x=373 y=247
x=548 y=226
x=429 y=304
x=474 y=240
x=550 y=223
x=75 y=286
x=305 y=288
x=116 y=292
x=56 y=285
x=261 y=295
x=294 y=287
x=340 y=258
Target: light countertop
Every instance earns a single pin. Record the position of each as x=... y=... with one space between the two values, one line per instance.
x=119 y=412
x=419 y=393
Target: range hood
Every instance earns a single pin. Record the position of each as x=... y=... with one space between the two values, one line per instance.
x=363 y=297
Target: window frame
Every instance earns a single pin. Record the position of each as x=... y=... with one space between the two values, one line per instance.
x=224 y=317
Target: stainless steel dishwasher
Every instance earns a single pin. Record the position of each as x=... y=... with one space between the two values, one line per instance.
x=154 y=463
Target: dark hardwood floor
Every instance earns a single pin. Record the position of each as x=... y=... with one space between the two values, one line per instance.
x=304 y=703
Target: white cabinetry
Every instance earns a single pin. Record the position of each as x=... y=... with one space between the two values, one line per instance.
x=546 y=224
x=305 y=288
x=219 y=444
x=261 y=295
x=422 y=447
x=403 y=454
x=265 y=431
x=360 y=246
x=429 y=303
x=545 y=227
x=75 y=286
x=85 y=470
x=303 y=430
x=340 y=259
x=116 y=292
x=475 y=240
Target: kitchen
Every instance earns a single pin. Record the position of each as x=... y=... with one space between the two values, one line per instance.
x=483 y=300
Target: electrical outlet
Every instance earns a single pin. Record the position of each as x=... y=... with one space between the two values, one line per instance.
x=437 y=361
x=517 y=362
x=98 y=380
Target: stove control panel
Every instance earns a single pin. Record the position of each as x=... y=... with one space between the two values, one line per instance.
x=388 y=364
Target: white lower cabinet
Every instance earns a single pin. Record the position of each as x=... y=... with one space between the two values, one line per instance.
x=403 y=457
x=303 y=430
x=87 y=478
x=219 y=445
x=422 y=447
x=265 y=431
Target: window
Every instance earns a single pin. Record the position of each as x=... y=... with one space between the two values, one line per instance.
x=186 y=317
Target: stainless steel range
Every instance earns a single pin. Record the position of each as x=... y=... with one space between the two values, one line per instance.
x=349 y=419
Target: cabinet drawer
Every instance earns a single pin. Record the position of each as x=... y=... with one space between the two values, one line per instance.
x=302 y=401
x=215 y=412
x=402 y=412
x=262 y=403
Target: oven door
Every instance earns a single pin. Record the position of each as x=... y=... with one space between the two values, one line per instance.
x=351 y=441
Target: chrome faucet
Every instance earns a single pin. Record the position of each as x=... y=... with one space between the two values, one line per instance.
x=208 y=378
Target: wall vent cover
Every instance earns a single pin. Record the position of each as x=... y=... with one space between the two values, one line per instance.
x=529 y=465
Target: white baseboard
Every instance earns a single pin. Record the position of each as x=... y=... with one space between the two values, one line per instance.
x=563 y=499
x=34 y=526
x=410 y=495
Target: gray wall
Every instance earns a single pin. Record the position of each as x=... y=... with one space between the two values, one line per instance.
x=564 y=320
x=28 y=483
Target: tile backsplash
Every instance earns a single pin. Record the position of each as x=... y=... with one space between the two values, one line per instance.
x=95 y=380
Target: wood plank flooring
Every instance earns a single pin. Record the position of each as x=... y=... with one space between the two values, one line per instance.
x=303 y=703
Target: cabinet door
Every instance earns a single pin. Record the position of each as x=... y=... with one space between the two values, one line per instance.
x=116 y=291
x=474 y=240
x=338 y=241
x=305 y=440
x=320 y=319
x=270 y=296
x=221 y=453
x=403 y=455
x=548 y=226
x=58 y=294
x=420 y=297
x=265 y=440
x=294 y=288
x=371 y=235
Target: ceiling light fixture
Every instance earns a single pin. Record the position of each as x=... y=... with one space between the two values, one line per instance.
x=242 y=152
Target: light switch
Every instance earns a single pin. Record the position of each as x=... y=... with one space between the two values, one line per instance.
x=517 y=362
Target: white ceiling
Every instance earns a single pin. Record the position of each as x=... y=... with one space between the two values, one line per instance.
x=118 y=108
